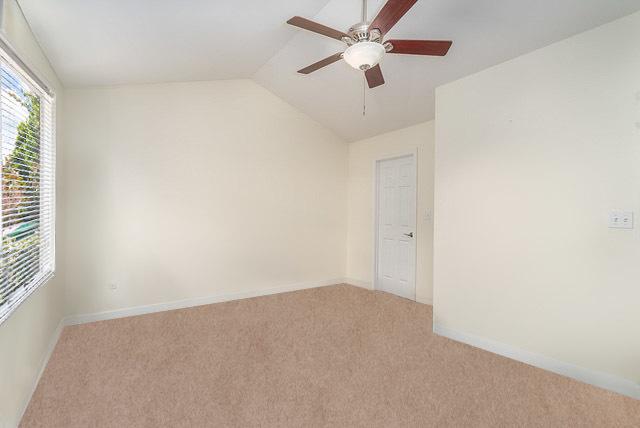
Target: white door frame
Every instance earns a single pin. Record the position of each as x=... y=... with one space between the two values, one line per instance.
x=376 y=184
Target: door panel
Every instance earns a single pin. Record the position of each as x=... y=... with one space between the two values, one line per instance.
x=396 y=214
x=387 y=255
x=404 y=252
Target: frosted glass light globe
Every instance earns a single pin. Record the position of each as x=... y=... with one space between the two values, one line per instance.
x=364 y=55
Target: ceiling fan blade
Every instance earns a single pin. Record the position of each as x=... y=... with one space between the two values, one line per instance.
x=390 y=14
x=316 y=28
x=322 y=63
x=374 y=76
x=420 y=47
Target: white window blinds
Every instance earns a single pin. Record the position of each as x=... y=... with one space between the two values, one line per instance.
x=28 y=160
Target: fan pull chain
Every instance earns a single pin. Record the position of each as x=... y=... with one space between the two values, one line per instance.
x=364 y=95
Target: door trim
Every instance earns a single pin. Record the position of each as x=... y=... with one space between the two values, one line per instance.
x=376 y=184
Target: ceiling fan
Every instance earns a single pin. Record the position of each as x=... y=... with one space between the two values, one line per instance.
x=364 y=40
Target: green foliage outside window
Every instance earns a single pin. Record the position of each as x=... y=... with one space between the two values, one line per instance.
x=21 y=202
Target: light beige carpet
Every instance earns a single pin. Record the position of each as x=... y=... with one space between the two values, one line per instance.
x=333 y=356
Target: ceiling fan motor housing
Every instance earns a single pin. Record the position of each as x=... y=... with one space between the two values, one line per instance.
x=360 y=33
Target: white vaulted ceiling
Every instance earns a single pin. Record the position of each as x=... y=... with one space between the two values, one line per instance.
x=110 y=42
x=113 y=42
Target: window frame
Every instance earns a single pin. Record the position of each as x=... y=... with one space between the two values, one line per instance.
x=9 y=55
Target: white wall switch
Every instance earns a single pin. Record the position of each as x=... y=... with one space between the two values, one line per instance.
x=621 y=219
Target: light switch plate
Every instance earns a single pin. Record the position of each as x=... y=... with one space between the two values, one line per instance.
x=621 y=219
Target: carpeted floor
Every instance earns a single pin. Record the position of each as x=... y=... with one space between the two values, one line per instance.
x=332 y=356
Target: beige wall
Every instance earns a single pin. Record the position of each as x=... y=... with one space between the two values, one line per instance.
x=190 y=190
x=360 y=242
x=26 y=336
x=531 y=156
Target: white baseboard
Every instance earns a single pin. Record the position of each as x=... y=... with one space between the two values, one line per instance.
x=592 y=377
x=45 y=360
x=196 y=301
x=359 y=283
x=428 y=302
x=369 y=286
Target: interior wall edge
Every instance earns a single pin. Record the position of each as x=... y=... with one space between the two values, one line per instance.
x=302 y=112
x=592 y=377
x=45 y=360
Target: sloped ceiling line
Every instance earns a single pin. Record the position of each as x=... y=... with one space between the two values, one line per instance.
x=101 y=43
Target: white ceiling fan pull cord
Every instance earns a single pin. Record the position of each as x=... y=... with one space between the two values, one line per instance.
x=364 y=95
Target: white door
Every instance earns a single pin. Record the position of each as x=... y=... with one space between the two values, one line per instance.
x=396 y=224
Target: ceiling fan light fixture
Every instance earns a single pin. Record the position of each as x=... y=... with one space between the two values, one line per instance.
x=364 y=55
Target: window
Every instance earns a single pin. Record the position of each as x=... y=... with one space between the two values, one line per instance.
x=28 y=159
